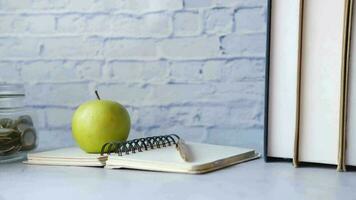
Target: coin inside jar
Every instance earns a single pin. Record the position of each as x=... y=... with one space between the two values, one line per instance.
x=9 y=141
x=28 y=139
x=5 y=131
x=28 y=136
x=17 y=135
x=7 y=123
x=25 y=119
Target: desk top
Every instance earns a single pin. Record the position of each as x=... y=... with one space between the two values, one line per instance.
x=251 y=180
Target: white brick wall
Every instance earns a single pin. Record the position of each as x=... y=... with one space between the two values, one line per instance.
x=187 y=23
x=194 y=67
x=219 y=21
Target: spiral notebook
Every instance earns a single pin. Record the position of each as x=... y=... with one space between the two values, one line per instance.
x=203 y=158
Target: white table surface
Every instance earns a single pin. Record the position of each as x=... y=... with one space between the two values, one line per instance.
x=251 y=180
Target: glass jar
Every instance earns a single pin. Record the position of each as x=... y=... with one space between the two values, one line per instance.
x=17 y=128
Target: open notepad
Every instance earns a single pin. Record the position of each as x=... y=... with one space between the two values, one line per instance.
x=204 y=158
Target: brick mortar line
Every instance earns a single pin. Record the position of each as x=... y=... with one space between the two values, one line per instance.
x=65 y=11
x=165 y=106
x=78 y=12
x=111 y=82
x=102 y=58
x=110 y=36
x=226 y=104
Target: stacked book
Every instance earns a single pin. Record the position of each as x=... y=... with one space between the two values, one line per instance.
x=311 y=82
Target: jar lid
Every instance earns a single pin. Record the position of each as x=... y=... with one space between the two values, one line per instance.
x=9 y=90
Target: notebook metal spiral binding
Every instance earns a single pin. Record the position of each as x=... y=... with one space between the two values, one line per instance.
x=140 y=144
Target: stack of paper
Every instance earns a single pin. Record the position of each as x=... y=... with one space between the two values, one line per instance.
x=72 y=156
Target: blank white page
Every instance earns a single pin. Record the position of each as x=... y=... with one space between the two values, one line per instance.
x=321 y=80
x=283 y=77
x=351 y=125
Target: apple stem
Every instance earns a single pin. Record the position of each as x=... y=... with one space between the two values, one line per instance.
x=97 y=94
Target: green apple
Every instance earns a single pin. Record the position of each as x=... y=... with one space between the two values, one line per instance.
x=97 y=122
